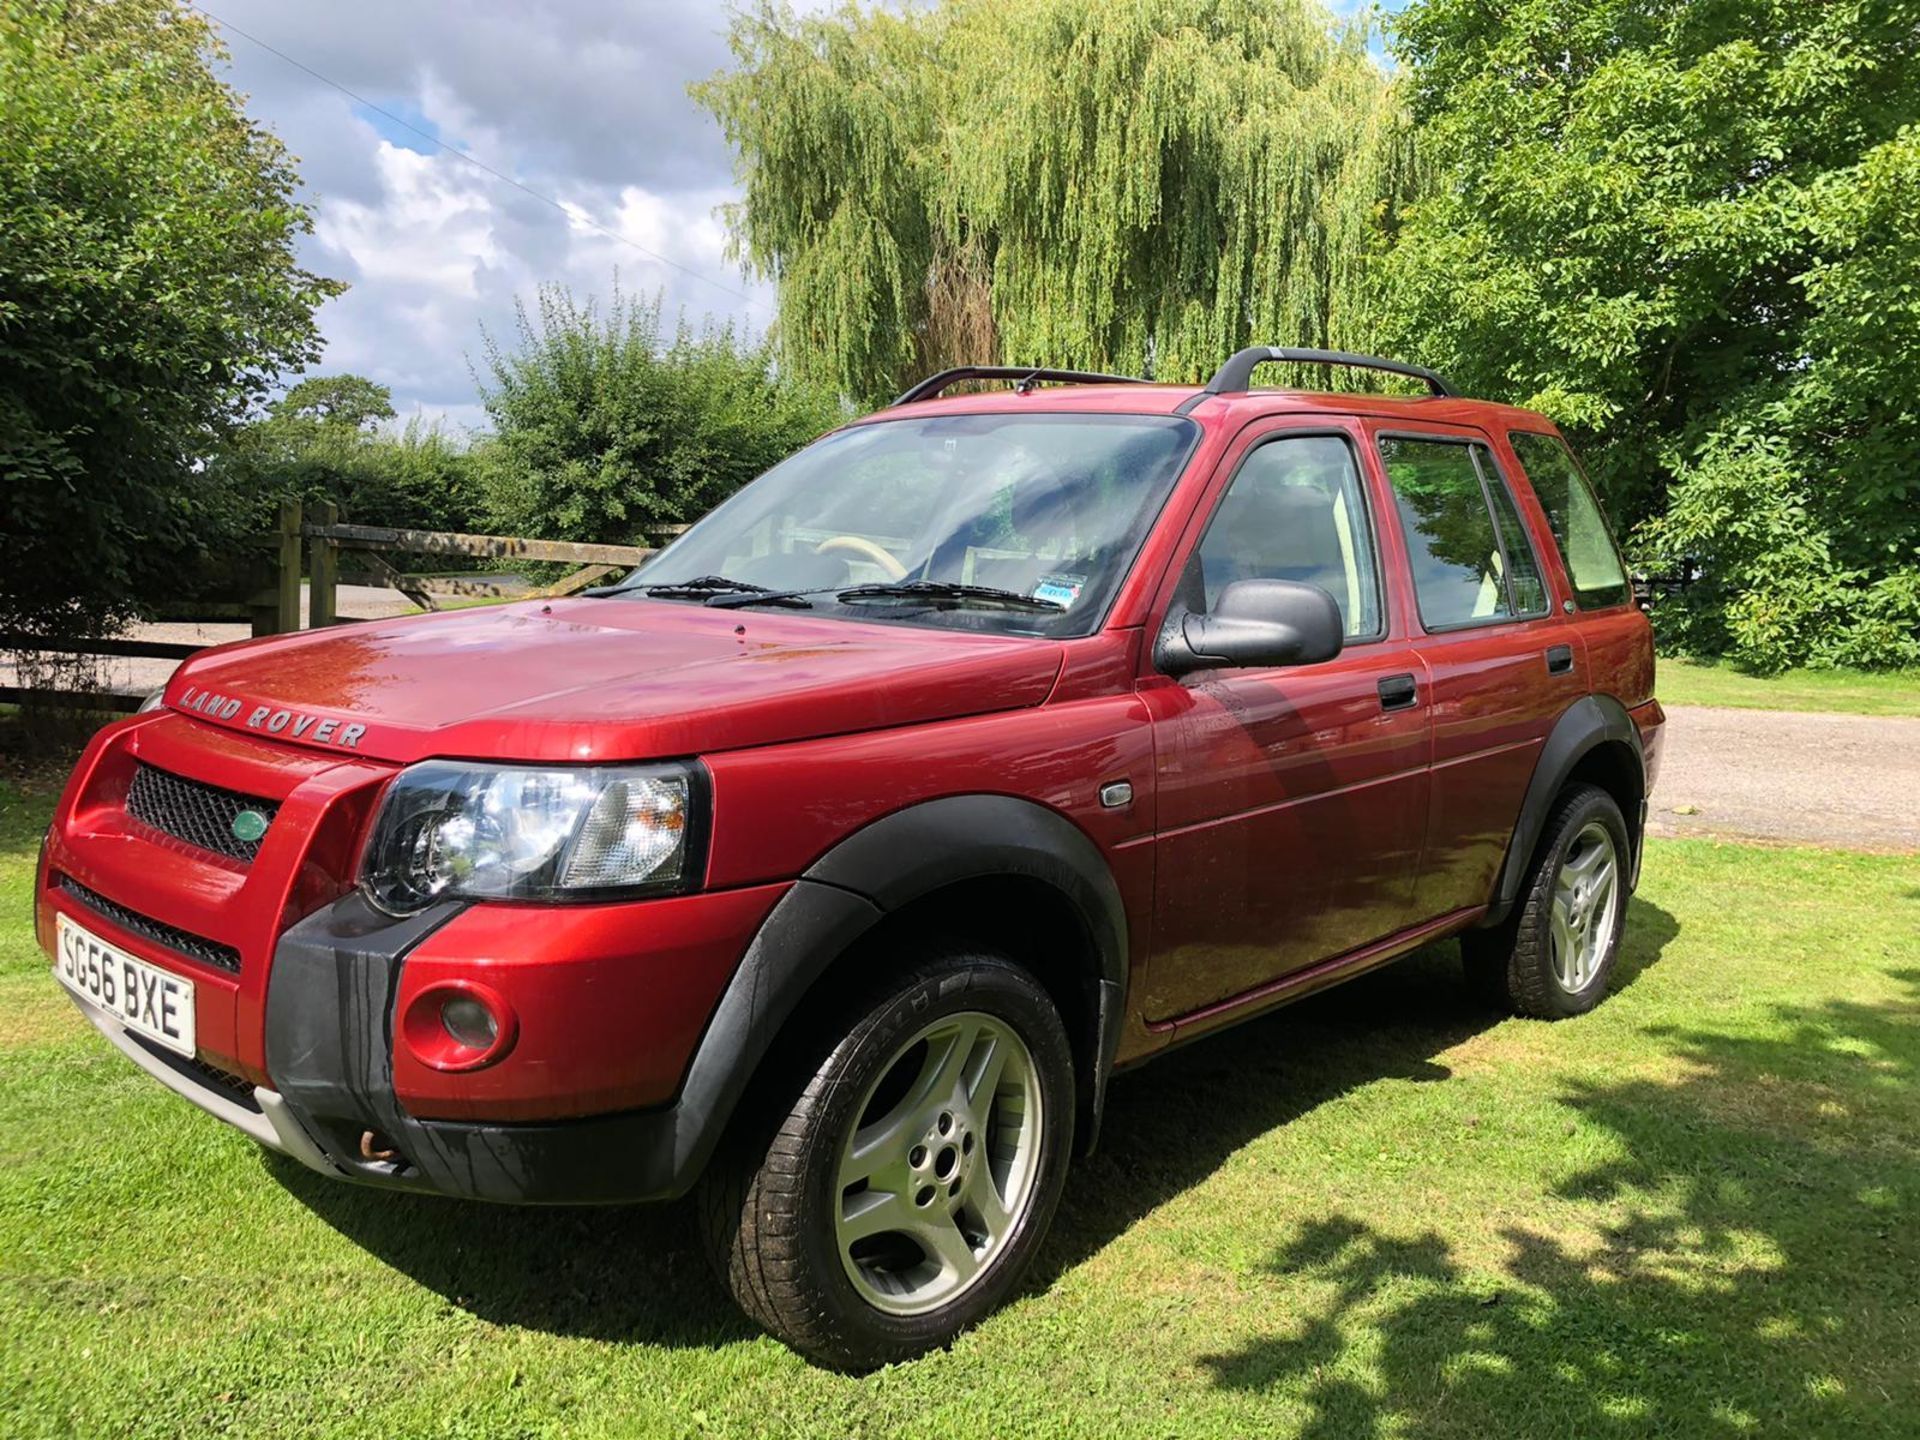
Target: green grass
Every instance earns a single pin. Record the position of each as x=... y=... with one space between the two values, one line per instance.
x=1853 y=692
x=1693 y=1212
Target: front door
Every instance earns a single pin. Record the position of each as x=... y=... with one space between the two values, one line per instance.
x=1291 y=802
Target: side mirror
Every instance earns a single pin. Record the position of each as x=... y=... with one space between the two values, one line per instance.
x=1255 y=623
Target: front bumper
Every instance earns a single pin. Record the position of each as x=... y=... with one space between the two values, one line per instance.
x=333 y=1106
x=603 y=1160
x=344 y=1095
x=332 y=1053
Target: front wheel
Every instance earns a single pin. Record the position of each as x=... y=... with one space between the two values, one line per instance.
x=1552 y=958
x=906 y=1188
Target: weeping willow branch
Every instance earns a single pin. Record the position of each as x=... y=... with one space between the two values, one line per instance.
x=1135 y=184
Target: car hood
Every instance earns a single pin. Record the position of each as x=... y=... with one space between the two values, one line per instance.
x=602 y=679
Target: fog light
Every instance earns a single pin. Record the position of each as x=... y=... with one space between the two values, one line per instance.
x=470 y=1022
x=459 y=1025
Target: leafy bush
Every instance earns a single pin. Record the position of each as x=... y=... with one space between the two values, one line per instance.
x=148 y=296
x=322 y=441
x=607 y=428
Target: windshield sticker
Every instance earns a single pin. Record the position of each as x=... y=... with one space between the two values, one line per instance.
x=1063 y=590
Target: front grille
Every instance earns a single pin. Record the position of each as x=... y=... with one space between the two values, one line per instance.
x=199 y=814
x=198 y=1072
x=207 y=952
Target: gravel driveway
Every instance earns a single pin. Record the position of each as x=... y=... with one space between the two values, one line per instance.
x=1848 y=780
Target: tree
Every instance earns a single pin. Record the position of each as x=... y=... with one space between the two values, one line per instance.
x=350 y=401
x=1691 y=233
x=148 y=296
x=607 y=427
x=1132 y=184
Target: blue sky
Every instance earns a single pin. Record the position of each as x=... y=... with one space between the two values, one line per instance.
x=583 y=104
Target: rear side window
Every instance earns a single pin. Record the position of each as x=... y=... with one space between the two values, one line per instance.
x=1574 y=517
x=1526 y=589
x=1468 y=569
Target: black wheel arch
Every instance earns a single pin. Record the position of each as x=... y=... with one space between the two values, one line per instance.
x=897 y=869
x=1594 y=741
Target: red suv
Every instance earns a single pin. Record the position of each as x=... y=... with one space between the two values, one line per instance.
x=836 y=857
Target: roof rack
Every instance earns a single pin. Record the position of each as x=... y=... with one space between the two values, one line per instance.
x=1233 y=377
x=1025 y=378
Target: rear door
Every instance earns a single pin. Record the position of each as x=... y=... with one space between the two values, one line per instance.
x=1291 y=801
x=1503 y=661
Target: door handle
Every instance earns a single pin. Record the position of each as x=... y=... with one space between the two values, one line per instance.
x=1559 y=659
x=1398 y=692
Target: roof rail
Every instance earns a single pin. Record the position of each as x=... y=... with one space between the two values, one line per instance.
x=1233 y=377
x=1025 y=378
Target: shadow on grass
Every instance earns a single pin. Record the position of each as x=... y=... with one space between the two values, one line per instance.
x=627 y=1273
x=1174 y=1122
x=1756 y=1266
x=636 y=1274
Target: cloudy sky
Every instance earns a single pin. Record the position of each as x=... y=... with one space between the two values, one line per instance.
x=583 y=103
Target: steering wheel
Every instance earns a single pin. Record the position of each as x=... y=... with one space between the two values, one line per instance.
x=860 y=545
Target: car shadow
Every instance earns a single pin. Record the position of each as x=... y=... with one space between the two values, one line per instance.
x=1175 y=1121
x=637 y=1274
x=630 y=1273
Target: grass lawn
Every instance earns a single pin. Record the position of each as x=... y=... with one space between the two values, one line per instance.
x=1854 y=692
x=1691 y=1213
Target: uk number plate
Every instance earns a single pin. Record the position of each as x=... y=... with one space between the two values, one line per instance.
x=143 y=997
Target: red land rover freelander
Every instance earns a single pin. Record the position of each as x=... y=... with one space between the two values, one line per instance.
x=836 y=857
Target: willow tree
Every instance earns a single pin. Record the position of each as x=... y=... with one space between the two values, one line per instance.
x=1133 y=184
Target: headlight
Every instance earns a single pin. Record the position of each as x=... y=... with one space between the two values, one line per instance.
x=512 y=832
x=153 y=701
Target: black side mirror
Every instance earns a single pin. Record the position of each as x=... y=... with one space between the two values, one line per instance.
x=1255 y=623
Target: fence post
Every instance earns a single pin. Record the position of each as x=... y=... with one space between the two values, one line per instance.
x=323 y=570
x=286 y=616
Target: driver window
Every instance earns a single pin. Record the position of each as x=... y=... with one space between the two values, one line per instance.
x=1294 y=511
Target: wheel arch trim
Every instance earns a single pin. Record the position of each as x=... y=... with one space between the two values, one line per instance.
x=872 y=873
x=1584 y=728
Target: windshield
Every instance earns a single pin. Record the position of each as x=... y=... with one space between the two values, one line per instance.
x=1037 y=516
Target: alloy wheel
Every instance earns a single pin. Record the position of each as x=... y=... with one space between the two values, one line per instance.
x=940 y=1165
x=1585 y=909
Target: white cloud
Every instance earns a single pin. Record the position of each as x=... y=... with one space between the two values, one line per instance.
x=584 y=105
x=431 y=230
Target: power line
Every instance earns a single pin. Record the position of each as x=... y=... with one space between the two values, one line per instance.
x=572 y=214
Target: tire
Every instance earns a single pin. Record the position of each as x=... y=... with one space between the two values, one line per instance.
x=1553 y=957
x=776 y=1218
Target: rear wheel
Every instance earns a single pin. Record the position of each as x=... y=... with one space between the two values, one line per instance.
x=905 y=1189
x=1552 y=958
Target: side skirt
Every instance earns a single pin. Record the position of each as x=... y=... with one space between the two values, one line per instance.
x=1302 y=983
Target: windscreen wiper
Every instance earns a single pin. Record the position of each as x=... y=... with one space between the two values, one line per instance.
x=702 y=586
x=949 y=593
x=792 y=599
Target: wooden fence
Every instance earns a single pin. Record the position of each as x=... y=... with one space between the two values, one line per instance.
x=330 y=541
x=324 y=541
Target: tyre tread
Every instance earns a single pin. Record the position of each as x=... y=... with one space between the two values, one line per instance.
x=1509 y=964
x=753 y=1201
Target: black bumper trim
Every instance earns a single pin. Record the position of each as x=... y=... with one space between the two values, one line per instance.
x=329 y=1028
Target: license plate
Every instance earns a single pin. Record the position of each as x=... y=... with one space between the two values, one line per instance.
x=143 y=997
